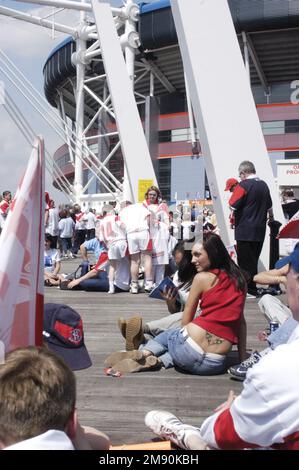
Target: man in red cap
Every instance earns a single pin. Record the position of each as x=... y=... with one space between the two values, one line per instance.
x=231 y=185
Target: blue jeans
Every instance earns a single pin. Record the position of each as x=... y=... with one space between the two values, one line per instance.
x=282 y=334
x=174 y=349
x=97 y=284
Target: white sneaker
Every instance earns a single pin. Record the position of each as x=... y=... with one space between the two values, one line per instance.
x=168 y=426
x=111 y=291
x=250 y=296
x=148 y=286
x=134 y=288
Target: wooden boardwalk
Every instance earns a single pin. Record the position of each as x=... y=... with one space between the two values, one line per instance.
x=118 y=405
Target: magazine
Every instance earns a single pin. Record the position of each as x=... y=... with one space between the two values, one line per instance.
x=166 y=283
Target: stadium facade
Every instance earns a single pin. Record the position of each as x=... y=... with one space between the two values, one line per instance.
x=268 y=34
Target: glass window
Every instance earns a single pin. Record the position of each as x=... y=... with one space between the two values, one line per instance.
x=273 y=127
x=292 y=126
x=165 y=136
x=182 y=135
x=291 y=155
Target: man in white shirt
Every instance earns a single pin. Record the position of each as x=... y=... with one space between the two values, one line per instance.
x=52 y=224
x=266 y=413
x=90 y=221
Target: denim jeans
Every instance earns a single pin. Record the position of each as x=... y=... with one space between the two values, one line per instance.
x=282 y=334
x=97 y=284
x=155 y=327
x=173 y=349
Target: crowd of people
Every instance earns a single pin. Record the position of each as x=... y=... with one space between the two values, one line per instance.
x=122 y=240
x=205 y=322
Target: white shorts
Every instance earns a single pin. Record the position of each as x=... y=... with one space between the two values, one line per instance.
x=139 y=241
x=118 y=249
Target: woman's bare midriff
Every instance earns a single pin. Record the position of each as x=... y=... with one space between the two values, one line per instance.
x=208 y=341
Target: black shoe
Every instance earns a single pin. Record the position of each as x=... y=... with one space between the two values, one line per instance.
x=239 y=371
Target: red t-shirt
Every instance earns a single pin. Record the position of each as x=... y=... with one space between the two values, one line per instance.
x=4 y=206
x=222 y=308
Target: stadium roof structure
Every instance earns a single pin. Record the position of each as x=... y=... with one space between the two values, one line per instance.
x=270 y=30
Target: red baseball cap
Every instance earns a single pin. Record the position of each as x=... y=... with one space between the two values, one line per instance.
x=230 y=182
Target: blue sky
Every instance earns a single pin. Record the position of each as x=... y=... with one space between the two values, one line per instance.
x=28 y=46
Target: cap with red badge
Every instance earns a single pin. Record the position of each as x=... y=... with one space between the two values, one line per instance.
x=63 y=333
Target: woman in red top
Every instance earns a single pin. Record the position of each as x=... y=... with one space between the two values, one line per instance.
x=202 y=344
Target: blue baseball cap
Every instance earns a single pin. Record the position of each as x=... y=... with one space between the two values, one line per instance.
x=292 y=259
x=63 y=334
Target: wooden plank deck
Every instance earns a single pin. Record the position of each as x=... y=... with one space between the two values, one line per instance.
x=117 y=406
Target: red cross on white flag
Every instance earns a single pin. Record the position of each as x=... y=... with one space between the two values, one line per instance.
x=21 y=260
x=291 y=229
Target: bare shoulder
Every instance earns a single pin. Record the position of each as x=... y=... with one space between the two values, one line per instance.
x=205 y=279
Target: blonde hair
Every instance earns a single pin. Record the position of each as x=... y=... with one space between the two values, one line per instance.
x=154 y=188
x=37 y=393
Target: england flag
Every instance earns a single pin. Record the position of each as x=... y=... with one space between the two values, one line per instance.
x=21 y=260
x=291 y=229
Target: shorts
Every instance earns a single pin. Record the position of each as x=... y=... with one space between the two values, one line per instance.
x=139 y=241
x=117 y=250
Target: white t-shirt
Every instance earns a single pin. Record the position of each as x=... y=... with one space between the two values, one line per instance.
x=112 y=230
x=80 y=221
x=66 y=227
x=90 y=220
x=53 y=221
x=51 y=257
x=50 y=440
x=135 y=218
x=267 y=410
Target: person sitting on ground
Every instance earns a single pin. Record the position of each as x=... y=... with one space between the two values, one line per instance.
x=201 y=346
x=274 y=310
x=95 y=279
x=38 y=404
x=265 y=415
x=95 y=245
x=52 y=263
x=133 y=329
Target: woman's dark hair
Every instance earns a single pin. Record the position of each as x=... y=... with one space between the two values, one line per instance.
x=48 y=237
x=220 y=259
x=186 y=270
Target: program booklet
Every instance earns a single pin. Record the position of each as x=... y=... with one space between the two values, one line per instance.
x=156 y=293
